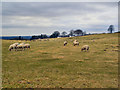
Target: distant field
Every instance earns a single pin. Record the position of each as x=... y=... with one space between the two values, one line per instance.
x=49 y=64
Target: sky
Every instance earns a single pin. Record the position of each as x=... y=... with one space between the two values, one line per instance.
x=35 y=18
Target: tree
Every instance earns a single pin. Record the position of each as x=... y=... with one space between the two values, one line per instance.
x=71 y=32
x=20 y=37
x=55 y=34
x=34 y=37
x=64 y=33
x=78 y=32
x=111 y=28
x=43 y=36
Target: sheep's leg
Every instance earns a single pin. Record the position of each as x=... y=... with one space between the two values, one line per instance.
x=23 y=49
x=88 y=48
x=13 y=49
x=16 y=48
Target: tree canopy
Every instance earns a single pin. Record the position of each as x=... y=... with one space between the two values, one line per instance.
x=78 y=32
x=55 y=34
x=111 y=28
x=64 y=33
x=71 y=32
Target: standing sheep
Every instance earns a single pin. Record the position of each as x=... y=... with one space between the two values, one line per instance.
x=65 y=43
x=85 y=47
x=75 y=43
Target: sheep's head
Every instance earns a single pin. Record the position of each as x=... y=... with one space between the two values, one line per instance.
x=9 y=49
x=82 y=49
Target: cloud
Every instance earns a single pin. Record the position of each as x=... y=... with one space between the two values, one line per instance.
x=61 y=1
x=47 y=17
x=53 y=9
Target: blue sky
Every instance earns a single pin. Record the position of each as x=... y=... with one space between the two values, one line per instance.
x=34 y=18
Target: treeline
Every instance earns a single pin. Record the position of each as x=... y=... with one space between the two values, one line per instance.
x=55 y=34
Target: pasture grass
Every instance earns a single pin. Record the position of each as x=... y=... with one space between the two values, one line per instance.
x=49 y=64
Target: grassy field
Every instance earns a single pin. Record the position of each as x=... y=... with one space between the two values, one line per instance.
x=49 y=64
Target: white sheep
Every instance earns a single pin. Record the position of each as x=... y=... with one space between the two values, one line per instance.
x=20 y=46
x=12 y=46
x=15 y=43
x=27 y=46
x=75 y=42
x=85 y=47
x=22 y=43
x=65 y=43
x=17 y=46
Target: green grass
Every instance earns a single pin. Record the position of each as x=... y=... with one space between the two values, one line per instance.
x=49 y=64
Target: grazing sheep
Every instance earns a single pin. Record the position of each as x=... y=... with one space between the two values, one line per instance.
x=17 y=46
x=22 y=43
x=75 y=43
x=65 y=43
x=85 y=47
x=20 y=46
x=15 y=43
x=27 y=46
x=13 y=46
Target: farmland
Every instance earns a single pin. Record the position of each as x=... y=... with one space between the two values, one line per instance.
x=49 y=64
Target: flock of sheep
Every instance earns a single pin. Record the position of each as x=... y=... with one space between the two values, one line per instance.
x=23 y=46
x=75 y=42
x=18 y=46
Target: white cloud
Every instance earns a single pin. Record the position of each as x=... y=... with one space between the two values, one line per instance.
x=45 y=18
x=60 y=1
